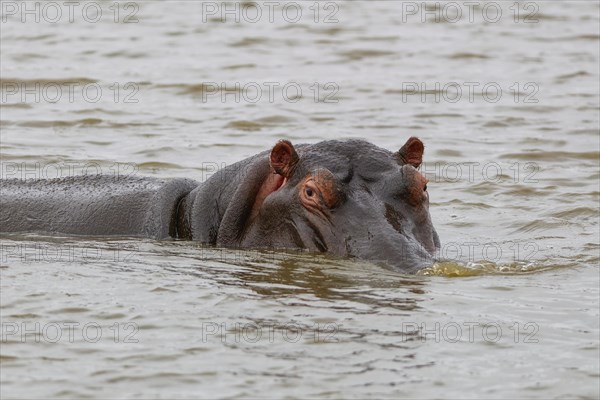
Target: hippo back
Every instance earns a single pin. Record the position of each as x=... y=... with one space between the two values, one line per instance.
x=93 y=205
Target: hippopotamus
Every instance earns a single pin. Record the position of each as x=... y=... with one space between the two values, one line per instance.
x=348 y=198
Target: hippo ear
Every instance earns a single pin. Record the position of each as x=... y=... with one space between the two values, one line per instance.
x=411 y=153
x=283 y=158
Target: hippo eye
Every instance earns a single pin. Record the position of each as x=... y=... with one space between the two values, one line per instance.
x=425 y=188
x=319 y=191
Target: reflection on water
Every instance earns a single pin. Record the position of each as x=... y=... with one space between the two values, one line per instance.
x=510 y=309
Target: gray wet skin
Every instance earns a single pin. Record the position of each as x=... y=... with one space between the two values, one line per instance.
x=348 y=198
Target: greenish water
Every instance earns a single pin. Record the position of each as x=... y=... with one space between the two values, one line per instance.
x=511 y=310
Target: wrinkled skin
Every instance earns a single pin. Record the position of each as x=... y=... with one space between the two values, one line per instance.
x=348 y=198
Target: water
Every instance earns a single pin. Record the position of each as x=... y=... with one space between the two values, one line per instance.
x=510 y=310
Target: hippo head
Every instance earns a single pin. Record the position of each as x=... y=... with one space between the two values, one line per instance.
x=349 y=198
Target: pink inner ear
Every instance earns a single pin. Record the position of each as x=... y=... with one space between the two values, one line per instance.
x=412 y=151
x=280 y=158
x=283 y=156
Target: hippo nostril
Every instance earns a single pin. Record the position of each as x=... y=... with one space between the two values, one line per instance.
x=425 y=188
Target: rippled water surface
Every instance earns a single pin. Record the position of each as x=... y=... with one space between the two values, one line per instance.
x=510 y=310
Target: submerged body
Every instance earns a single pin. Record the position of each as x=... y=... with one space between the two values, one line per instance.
x=349 y=198
x=93 y=205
